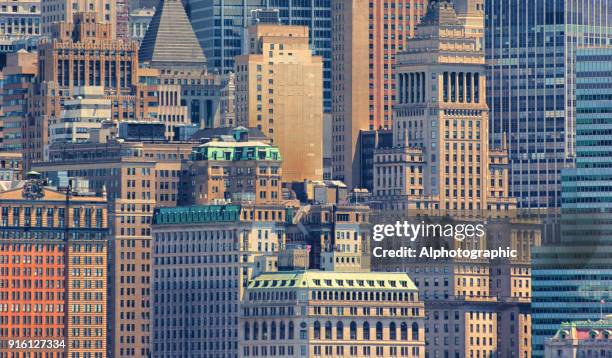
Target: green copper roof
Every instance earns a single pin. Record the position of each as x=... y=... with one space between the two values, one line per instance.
x=234 y=151
x=197 y=214
x=313 y=279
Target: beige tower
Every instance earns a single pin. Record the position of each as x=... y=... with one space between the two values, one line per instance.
x=350 y=85
x=279 y=90
x=56 y=11
x=441 y=160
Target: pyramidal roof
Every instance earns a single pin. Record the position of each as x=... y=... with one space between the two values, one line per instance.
x=170 y=38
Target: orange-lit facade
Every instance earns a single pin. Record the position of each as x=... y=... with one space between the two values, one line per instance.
x=392 y=25
x=53 y=272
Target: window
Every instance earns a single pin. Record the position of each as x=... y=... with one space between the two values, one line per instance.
x=415 y=331
x=404 y=331
x=392 y=331
x=353 y=328
x=379 y=331
x=328 y=330
x=339 y=330
x=317 y=330
x=366 y=330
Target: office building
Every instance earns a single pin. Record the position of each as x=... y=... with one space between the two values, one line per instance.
x=441 y=160
x=392 y=24
x=278 y=90
x=337 y=234
x=316 y=313
x=18 y=83
x=58 y=11
x=581 y=339
x=195 y=96
x=84 y=113
x=203 y=259
x=138 y=176
x=350 y=86
x=530 y=51
x=19 y=19
x=53 y=269
x=220 y=27
x=571 y=278
x=83 y=53
x=236 y=168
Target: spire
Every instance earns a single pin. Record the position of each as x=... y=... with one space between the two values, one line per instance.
x=170 y=39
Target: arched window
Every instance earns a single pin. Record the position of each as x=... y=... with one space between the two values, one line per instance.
x=415 y=331
x=317 y=330
x=366 y=330
x=328 y=330
x=353 y=330
x=290 y=335
x=255 y=331
x=281 y=333
x=379 y=331
x=339 y=330
x=264 y=331
x=273 y=330
x=392 y=331
x=246 y=331
x=404 y=329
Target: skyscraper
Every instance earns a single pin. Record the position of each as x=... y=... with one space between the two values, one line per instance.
x=350 y=86
x=392 y=23
x=530 y=52
x=19 y=19
x=54 y=284
x=572 y=280
x=441 y=159
x=278 y=90
x=220 y=25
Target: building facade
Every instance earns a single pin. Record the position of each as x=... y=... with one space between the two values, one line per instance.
x=81 y=115
x=581 y=339
x=339 y=314
x=220 y=26
x=350 y=86
x=441 y=159
x=19 y=19
x=236 y=169
x=278 y=90
x=58 y=11
x=18 y=83
x=139 y=22
x=138 y=176
x=53 y=269
x=203 y=259
x=571 y=279
x=531 y=88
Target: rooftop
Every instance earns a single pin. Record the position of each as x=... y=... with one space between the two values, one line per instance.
x=399 y=281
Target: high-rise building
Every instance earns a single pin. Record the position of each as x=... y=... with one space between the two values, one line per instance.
x=18 y=83
x=220 y=26
x=19 y=19
x=53 y=269
x=392 y=24
x=138 y=176
x=278 y=90
x=530 y=51
x=236 y=168
x=571 y=279
x=441 y=160
x=83 y=53
x=350 y=86
x=203 y=259
x=340 y=314
x=58 y=11
x=195 y=96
